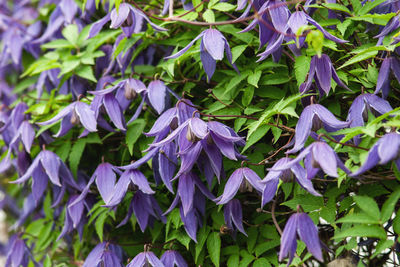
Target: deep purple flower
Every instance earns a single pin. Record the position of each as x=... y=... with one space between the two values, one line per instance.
x=322 y=71
x=387 y=148
x=172 y=258
x=212 y=47
x=127 y=17
x=238 y=179
x=271 y=181
x=392 y=26
x=300 y=226
x=233 y=215
x=364 y=103
x=18 y=253
x=104 y=254
x=312 y=118
x=75 y=113
x=73 y=217
x=145 y=259
x=322 y=156
x=383 y=83
x=112 y=108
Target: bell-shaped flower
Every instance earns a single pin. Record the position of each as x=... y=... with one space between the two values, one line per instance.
x=383 y=82
x=104 y=254
x=145 y=259
x=18 y=253
x=212 y=47
x=112 y=108
x=128 y=178
x=75 y=113
x=238 y=179
x=392 y=26
x=233 y=215
x=172 y=258
x=158 y=95
x=322 y=71
x=386 y=149
x=104 y=176
x=73 y=217
x=187 y=5
x=323 y=157
x=358 y=112
x=313 y=118
x=271 y=181
x=47 y=166
x=146 y=210
x=300 y=226
x=127 y=17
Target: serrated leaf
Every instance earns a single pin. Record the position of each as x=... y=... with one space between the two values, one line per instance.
x=214 y=247
x=86 y=72
x=254 y=78
x=223 y=7
x=209 y=16
x=201 y=240
x=133 y=133
x=71 y=33
x=362 y=231
x=301 y=68
x=99 y=224
x=237 y=51
x=256 y=135
x=76 y=154
x=389 y=205
x=358 y=218
x=360 y=57
x=368 y=205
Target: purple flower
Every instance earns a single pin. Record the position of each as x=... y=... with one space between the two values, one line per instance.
x=358 y=112
x=73 y=217
x=383 y=83
x=393 y=25
x=233 y=215
x=322 y=71
x=271 y=181
x=300 y=226
x=386 y=149
x=158 y=96
x=104 y=254
x=238 y=179
x=312 y=118
x=321 y=156
x=127 y=17
x=47 y=166
x=112 y=108
x=172 y=258
x=145 y=259
x=18 y=253
x=187 y=5
x=212 y=47
x=75 y=113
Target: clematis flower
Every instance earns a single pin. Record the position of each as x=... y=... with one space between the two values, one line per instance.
x=73 y=217
x=187 y=5
x=127 y=17
x=322 y=157
x=236 y=181
x=104 y=254
x=212 y=47
x=386 y=149
x=18 y=253
x=383 y=82
x=322 y=71
x=25 y=134
x=300 y=226
x=146 y=210
x=358 y=112
x=112 y=108
x=128 y=178
x=392 y=26
x=75 y=113
x=104 y=176
x=271 y=181
x=233 y=215
x=47 y=166
x=172 y=258
x=314 y=117
x=145 y=259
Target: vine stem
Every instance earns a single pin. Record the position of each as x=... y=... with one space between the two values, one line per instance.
x=343 y=144
x=278 y=228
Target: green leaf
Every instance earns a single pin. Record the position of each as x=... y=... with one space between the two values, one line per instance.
x=307 y=202
x=362 y=231
x=58 y=43
x=233 y=261
x=389 y=205
x=337 y=7
x=358 y=218
x=237 y=51
x=369 y=5
x=71 y=33
x=223 y=7
x=86 y=72
x=209 y=16
x=133 y=133
x=360 y=57
x=254 y=78
x=214 y=247
x=47 y=261
x=301 y=68
x=381 y=246
x=256 y=135
x=99 y=224
x=248 y=94
x=76 y=154
x=396 y=223
x=261 y=262
x=201 y=240
x=368 y=205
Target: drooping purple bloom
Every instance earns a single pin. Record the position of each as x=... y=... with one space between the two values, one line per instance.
x=75 y=113
x=74 y=218
x=238 y=179
x=364 y=103
x=386 y=149
x=187 y=5
x=271 y=181
x=47 y=166
x=233 y=215
x=392 y=26
x=383 y=82
x=322 y=71
x=112 y=108
x=314 y=117
x=322 y=156
x=18 y=253
x=158 y=95
x=300 y=226
x=104 y=254
x=172 y=258
x=212 y=47
x=127 y=17
x=145 y=259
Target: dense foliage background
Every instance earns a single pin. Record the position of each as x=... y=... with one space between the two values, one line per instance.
x=200 y=133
